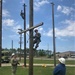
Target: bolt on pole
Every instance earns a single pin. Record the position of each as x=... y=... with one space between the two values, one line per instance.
x=0 y=30
x=54 y=50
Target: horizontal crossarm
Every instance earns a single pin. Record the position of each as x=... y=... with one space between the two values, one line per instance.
x=23 y=31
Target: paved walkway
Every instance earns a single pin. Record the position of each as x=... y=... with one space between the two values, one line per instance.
x=8 y=64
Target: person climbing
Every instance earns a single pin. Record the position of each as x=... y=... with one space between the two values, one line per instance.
x=36 y=39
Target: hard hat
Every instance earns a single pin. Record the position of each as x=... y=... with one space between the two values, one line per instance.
x=62 y=60
x=36 y=30
x=13 y=54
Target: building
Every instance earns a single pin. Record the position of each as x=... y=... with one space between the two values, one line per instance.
x=70 y=54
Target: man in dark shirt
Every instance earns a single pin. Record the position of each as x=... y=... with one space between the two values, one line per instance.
x=60 y=69
x=36 y=39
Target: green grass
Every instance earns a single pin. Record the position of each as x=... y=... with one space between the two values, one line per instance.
x=39 y=70
x=36 y=71
x=70 y=70
x=41 y=61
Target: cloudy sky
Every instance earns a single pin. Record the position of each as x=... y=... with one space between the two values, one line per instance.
x=64 y=20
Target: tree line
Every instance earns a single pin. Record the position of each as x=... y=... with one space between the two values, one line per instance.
x=39 y=52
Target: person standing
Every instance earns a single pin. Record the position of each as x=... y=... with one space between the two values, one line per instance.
x=14 y=63
x=60 y=69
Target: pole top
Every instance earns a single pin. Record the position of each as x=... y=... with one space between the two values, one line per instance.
x=24 y=5
x=52 y=3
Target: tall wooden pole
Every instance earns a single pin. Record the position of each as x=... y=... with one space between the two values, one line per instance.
x=0 y=30
x=23 y=15
x=12 y=45
x=31 y=38
x=20 y=45
x=24 y=36
x=54 y=50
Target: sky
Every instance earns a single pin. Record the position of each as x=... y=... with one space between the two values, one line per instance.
x=64 y=22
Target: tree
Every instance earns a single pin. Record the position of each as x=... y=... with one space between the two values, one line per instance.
x=42 y=53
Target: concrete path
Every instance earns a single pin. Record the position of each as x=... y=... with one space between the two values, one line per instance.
x=21 y=64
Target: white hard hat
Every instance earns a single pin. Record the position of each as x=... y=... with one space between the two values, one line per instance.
x=62 y=60
x=13 y=54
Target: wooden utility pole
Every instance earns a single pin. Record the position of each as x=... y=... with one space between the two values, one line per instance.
x=20 y=43
x=0 y=30
x=54 y=50
x=24 y=36
x=30 y=44
x=30 y=29
x=23 y=15
x=31 y=38
x=12 y=45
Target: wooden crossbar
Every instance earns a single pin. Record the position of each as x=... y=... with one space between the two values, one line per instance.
x=23 y=31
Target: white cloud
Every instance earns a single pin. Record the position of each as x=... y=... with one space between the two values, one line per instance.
x=8 y=22
x=40 y=28
x=4 y=1
x=49 y=33
x=22 y=1
x=15 y=28
x=12 y=25
x=39 y=3
x=12 y=36
x=5 y=13
x=59 y=8
x=68 y=31
x=66 y=10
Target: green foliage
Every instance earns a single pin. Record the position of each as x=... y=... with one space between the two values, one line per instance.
x=42 y=53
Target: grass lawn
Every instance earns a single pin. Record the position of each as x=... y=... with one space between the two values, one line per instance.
x=36 y=71
x=41 y=61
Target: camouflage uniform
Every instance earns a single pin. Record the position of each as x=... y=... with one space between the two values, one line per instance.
x=37 y=39
x=14 y=63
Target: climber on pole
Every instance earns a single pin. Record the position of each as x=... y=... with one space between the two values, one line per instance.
x=36 y=39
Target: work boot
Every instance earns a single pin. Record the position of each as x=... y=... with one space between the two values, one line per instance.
x=34 y=49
